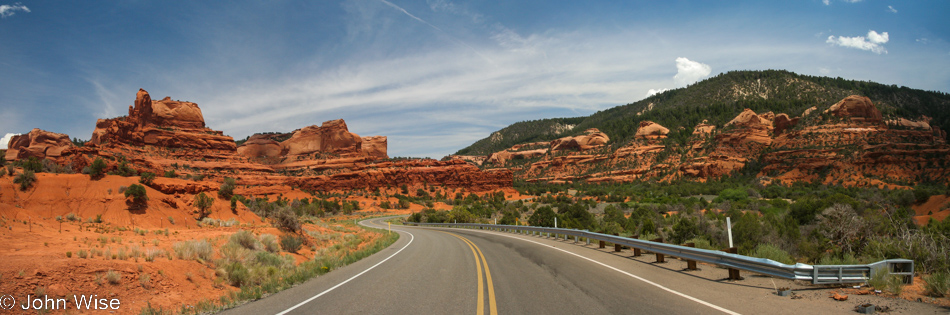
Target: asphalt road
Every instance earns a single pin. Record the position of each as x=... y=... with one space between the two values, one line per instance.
x=461 y=271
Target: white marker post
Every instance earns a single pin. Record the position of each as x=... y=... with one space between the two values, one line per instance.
x=729 y=229
x=555 y=222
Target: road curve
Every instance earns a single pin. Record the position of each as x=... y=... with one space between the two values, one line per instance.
x=462 y=271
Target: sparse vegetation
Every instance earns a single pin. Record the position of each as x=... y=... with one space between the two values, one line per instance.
x=203 y=203
x=97 y=169
x=25 y=179
x=291 y=243
x=138 y=194
x=227 y=189
x=146 y=178
x=113 y=277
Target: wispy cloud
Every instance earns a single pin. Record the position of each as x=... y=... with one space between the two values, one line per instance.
x=874 y=42
x=7 y=10
x=891 y=9
x=826 y=2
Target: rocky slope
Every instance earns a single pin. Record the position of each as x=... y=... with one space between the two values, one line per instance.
x=848 y=142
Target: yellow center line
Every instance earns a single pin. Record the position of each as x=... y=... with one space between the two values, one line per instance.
x=479 y=261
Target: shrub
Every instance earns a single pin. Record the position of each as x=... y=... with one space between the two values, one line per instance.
x=146 y=178
x=238 y=275
x=25 y=179
x=878 y=279
x=291 y=243
x=895 y=284
x=702 y=243
x=113 y=277
x=145 y=280
x=193 y=250
x=245 y=239
x=938 y=284
x=97 y=169
x=286 y=220
x=125 y=170
x=270 y=243
x=772 y=252
x=138 y=194
x=227 y=188
x=203 y=203
x=234 y=201
x=32 y=164
x=170 y=174
x=69 y=254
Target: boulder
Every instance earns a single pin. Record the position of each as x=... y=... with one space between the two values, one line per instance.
x=857 y=108
x=37 y=143
x=651 y=130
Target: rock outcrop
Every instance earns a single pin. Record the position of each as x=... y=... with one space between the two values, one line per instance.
x=330 y=137
x=591 y=139
x=260 y=146
x=375 y=146
x=37 y=143
x=857 y=108
x=165 y=123
x=651 y=130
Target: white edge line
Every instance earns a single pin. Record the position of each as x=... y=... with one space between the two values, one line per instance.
x=724 y=310
x=411 y=237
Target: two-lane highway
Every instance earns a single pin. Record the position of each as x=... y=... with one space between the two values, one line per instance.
x=462 y=271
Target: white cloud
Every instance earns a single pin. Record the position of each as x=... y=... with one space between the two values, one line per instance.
x=8 y=10
x=874 y=42
x=891 y=9
x=826 y=2
x=923 y=40
x=5 y=141
x=688 y=71
x=824 y=70
x=852 y=1
x=653 y=92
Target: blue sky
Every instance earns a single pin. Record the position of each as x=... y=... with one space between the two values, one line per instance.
x=432 y=75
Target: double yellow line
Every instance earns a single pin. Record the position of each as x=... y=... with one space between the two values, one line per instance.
x=479 y=262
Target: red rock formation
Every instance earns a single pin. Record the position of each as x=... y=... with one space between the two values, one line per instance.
x=594 y=138
x=330 y=137
x=375 y=146
x=651 y=130
x=857 y=108
x=164 y=123
x=258 y=146
x=37 y=143
x=452 y=173
x=782 y=122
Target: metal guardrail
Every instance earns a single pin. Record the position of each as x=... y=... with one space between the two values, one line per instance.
x=816 y=274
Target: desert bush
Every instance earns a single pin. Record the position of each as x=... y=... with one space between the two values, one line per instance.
x=878 y=279
x=938 y=284
x=25 y=179
x=203 y=203
x=32 y=164
x=145 y=279
x=238 y=275
x=700 y=242
x=113 y=277
x=147 y=178
x=843 y=259
x=125 y=170
x=69 y=254
x=226 y=191
x=137 y=193
x=71 y=217
x=82 y=254
x=286 y=220
x=193 y=250
x=772 y=252
x=291 y=243
x=245 y=239
x=97 y=169
x=270 y=243
x=171 y=174
x=895 y=284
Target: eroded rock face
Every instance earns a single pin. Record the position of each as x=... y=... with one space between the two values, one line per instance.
x=651 y=130
x=857 y=107
x=375 y=146
x=330 y=137
x=782 y=122
x=37 y=143
x=165 y=123
x=260 y=146
x=584 y=142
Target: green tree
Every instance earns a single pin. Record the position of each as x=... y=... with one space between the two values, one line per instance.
x=544 y=216
x=97 y=169
x=203 y=203
x=25 y=179
x=227 y=188
x=146 y=178
x=137 y=193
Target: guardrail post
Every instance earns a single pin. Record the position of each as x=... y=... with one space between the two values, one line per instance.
x=636 y=251
x=659 y=257
x=733 y=273
x=575 y=239
x=603 y=244
x=690 y=264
